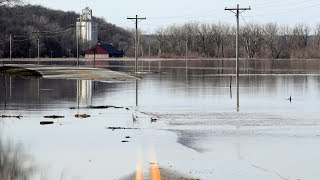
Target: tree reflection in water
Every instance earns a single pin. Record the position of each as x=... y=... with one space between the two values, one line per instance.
x=15 y=164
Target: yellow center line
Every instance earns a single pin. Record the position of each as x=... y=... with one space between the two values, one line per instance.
x=154 y=172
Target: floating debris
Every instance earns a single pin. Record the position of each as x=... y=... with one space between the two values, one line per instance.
x=46 y=122
x=53 y=116
x=117 y=128
x=134 y=118
x=5 y=116
x=127 y=109
x=104 y=107
x=118 y=107
x=153 y=119
x=82 y=115
x=128 y=137
x=124 y=141
x=98 y=107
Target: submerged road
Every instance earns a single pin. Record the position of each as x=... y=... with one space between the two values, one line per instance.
x=68 y=72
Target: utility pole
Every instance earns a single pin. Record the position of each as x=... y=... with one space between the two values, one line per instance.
x=10 y=48
x=38 y=50
x=136 y=40
x=237 y=12
x=78 y=36
x=77 y=49
x=94 y=56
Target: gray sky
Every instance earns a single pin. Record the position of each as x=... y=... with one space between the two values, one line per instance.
x=167 y=12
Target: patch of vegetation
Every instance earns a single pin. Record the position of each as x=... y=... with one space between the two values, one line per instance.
x=19 y=72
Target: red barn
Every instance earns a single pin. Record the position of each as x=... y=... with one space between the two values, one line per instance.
x=103 y=51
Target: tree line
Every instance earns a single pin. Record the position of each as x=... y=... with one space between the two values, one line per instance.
x=217 y=40
x=55 y=29
x=56 y=32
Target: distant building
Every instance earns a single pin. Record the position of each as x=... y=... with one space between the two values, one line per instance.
x=87 y=29
x=103 y=51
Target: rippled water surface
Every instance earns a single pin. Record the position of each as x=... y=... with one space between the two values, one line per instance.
x=188 y=126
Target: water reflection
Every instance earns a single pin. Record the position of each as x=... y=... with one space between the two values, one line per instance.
x=137 y=91
x=201 y=107
x=238 y=98
x=84 y=93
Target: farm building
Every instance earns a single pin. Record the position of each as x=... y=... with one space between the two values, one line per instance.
x=102 y=51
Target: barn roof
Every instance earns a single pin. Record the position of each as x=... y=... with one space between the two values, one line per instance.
x=105 y=49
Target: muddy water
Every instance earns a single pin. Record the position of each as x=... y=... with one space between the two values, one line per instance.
x=189 y=127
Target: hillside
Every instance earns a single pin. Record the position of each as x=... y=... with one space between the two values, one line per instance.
x=57 y=32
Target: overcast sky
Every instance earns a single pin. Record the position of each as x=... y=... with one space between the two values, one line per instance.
x=166 y=12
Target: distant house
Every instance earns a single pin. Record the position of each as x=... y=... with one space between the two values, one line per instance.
x=103 y=51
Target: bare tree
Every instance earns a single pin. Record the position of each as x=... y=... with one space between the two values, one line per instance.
x=204 y=39
x=161 y=38
x=190 y=30
x=176 y=39
x=221 y=33
x=273 y=39
x=301 y=34
x=253 y=38
x=317 y=35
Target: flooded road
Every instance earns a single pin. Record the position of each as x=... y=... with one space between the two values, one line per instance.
x=185 y=127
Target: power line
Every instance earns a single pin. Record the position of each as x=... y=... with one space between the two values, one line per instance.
x=283 y=5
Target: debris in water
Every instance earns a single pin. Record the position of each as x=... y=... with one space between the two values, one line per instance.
x=5 y=116
x=82 y=115
x=124 y=141
x=153 y=119
x=118 y=107
x=53 y=116
x=290 y=99
x=134 y=118
x=116 y=128
x=46 y=122
x=128 y=137
x=127 y=108
x=98 y=107
x=104 y=107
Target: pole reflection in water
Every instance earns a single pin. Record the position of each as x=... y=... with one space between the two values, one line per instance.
x=137 y=94
x=134 y=115
x=38 y=90
x=230 y=93
x=5 y=90
x=237 y=84
x=10 y=88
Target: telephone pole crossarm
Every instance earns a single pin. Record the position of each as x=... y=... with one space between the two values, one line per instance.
x=240 y=9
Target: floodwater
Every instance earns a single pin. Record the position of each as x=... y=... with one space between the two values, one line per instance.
x=182 y=127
